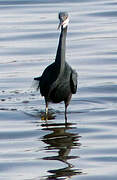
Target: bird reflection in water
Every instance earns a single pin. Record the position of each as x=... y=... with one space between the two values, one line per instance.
x=63 y=141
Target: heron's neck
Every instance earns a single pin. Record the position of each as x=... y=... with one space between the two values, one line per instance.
x=60 y=56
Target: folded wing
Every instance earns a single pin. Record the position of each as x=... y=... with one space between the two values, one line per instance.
x=73 y=82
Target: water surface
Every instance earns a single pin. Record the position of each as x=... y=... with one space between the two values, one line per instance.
x=31 y=148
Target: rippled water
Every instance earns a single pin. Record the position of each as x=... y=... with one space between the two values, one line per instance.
x=30 y=148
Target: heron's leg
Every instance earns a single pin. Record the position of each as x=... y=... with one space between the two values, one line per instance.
x=46 y=110
x=66 y=105
x=66 y=113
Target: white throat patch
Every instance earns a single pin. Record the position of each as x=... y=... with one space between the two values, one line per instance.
x=65 y=23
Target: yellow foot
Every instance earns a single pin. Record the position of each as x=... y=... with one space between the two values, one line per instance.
x=44 y=116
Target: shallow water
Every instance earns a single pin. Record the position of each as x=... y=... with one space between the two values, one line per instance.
x=30 y=148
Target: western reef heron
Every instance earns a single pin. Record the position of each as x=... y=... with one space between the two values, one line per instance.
x=59 y=81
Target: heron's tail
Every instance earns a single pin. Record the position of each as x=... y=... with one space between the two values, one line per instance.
x=36 y=83
x=37 y=78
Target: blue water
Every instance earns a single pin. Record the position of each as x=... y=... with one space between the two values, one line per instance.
x=31 y=148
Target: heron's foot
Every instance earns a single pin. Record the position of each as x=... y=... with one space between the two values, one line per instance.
x=44 y=116
x=48 y=115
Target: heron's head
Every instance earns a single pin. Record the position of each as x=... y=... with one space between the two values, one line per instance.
x=64 y=19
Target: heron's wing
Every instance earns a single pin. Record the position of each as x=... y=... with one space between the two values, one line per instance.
x=73 y=81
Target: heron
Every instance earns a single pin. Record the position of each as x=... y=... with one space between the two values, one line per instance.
x=59 y=81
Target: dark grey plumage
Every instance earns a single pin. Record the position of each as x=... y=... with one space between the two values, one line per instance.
x=59 y=81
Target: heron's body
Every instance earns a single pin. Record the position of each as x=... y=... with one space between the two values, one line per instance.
x=58 y=81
